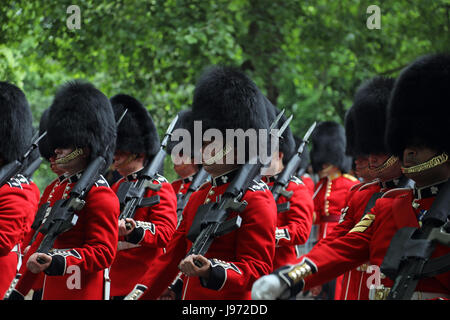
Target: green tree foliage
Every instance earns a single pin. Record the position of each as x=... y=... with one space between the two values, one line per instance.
x=307 y=56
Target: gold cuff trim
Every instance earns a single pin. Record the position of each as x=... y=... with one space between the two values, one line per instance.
x=300 y=272
x=433 y=162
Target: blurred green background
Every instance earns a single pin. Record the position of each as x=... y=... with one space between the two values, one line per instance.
x=306 y=56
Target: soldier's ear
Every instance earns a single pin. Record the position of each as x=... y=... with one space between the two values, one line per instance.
x=409 y=155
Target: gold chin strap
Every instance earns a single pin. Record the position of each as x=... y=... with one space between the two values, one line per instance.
x=220 y=155
x=433 y=162
x=388 y=163
x=130 y=158
x=74 y=154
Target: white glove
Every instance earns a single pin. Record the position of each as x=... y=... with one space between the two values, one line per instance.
x=269 y=287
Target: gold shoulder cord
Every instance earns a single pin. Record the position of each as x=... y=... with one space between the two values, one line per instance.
x=433 y=162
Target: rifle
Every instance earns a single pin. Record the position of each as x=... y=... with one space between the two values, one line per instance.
x=131 y=195
x=200 y=177
x=14 y=167
x=63 y=215
x=211 y=221
x=408 y=257
x=282 y=181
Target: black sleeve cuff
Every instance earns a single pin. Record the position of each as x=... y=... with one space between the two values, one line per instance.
x=136 y=235
x=177 y=288
x=217 y=277
x=57 y=266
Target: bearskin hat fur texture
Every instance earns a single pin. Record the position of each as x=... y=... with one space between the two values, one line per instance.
x=366 y=118
x=225 y=98
x=15 y=122
x=328 y=146
x=81 y=116
x=419 y=105
x=136 y=133
x=44 y=147
x=286 y=142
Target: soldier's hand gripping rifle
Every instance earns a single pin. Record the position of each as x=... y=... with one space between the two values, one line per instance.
x=63 y=214
x=211 y=221
x=131 y=194
x=282 y=181
x=408 y=258
x=200 y=177
x=14 y=167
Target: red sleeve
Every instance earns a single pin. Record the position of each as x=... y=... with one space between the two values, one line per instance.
x=165 y=267
x=14 y=211
x=347 y=252
x=100 y=220
x=255 y=246
x=296 y=223
x=156 y=225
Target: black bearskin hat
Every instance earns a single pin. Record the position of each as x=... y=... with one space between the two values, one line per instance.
x=137 y=132
x=15 y=122
x=184 y=122
x=366 y=119
x=82 y=116
x=328 y=146
x=419 y=105
x=44 y=147
x=225 y=98
x=287 y=142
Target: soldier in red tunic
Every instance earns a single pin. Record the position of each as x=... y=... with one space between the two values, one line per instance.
x=294 y=216
x=81 y=127
x=17 y=202
x=330 y=162
x=424 y=154
x=223 y=99
x=152 y=227
x=365 y=127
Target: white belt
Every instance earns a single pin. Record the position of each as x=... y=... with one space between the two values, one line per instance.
x=382 y=292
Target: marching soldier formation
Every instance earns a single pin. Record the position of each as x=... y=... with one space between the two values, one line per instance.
x=231 y=226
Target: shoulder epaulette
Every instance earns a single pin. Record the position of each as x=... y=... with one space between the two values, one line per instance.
x=14 y=183
x=296 y=180
x=161 y=179
x=101 y=182
x=258 y=186
x=394 y=193
x=22 y=179
x=350 y=177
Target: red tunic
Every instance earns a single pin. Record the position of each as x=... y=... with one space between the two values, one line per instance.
x=17 y=204
x=369 y=241
x=181 y=185
x=329 y=200
x=137 y=252
x=309 y=183
x=31 y=281
x=237 y=258
x=293 y=225
x=80 y=255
